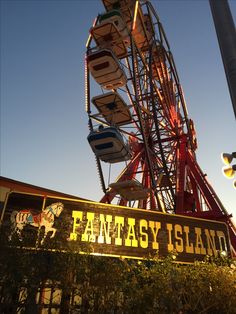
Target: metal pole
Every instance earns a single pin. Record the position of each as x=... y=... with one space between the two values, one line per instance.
x=226 y=35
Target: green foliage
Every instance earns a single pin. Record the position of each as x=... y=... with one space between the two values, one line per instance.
x=112 y=285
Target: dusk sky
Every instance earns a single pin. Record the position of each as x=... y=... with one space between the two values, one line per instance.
x=43 y=120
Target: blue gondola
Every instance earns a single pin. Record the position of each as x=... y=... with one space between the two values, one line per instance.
x=108 y=145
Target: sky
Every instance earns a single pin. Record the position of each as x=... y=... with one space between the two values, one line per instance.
x=44 y=125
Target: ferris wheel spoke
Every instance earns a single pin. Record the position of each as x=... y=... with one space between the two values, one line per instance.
x=135 y=79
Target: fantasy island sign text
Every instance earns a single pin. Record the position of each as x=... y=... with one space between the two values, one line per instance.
x=58 y=223
x=160 y=234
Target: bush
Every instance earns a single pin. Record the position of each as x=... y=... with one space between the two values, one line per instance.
x=93 y=284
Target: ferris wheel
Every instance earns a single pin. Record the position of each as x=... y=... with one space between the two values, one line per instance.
x=140 y=117
x=139 y=124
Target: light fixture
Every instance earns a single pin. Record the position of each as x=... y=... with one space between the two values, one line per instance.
x=223 y=254
x=227 y=158
x=229 y=171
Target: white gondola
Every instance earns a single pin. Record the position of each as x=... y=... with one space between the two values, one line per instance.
x=125 y=6
x=111 y=32
x=116 y=18
x=135 y=19
x=113 y=108
x=117 y=4
x=106 y=69
x=108 y=145
x=131 y=190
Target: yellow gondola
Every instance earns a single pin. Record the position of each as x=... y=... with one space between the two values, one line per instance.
x=130 y=190
x=113 y=108
x=112 y=33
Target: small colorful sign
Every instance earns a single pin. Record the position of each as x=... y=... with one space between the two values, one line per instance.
x=66 y=224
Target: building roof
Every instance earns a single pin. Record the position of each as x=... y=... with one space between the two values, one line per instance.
x=8 y=184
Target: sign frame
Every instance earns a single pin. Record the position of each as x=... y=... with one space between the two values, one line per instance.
x=119 y=231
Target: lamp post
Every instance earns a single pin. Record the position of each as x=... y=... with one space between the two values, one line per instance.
x=226 y=34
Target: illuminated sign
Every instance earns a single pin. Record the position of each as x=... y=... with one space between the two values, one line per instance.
x=65 y=224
